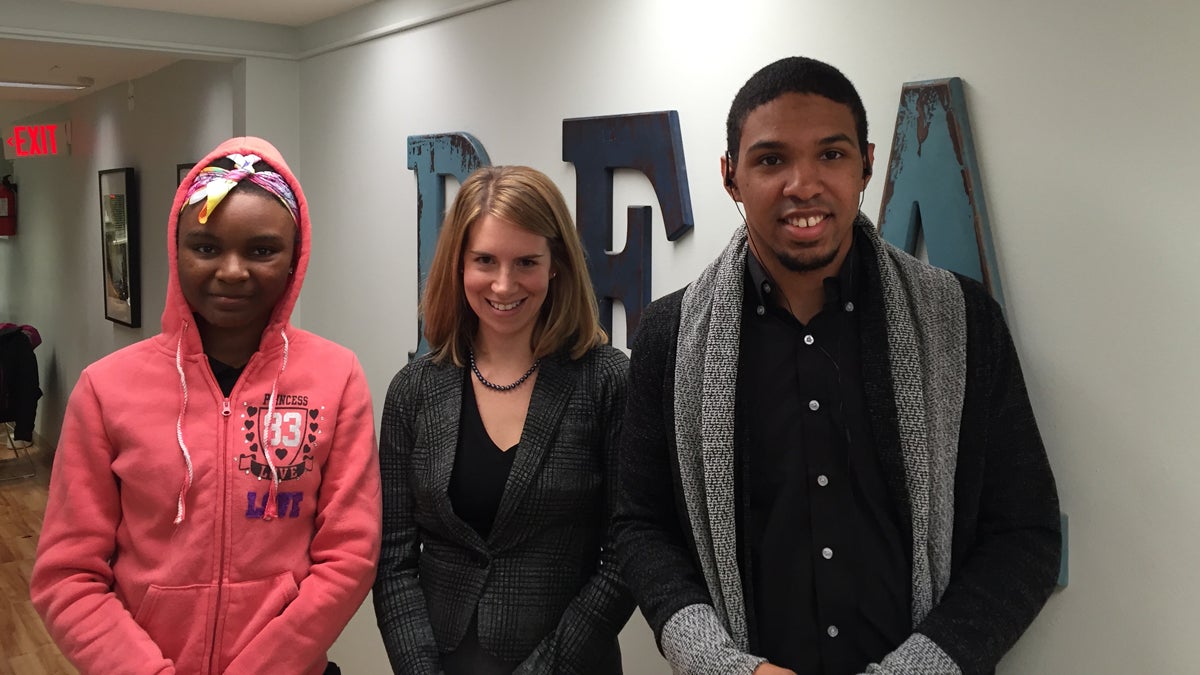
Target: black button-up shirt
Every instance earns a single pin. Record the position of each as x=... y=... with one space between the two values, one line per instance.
x=827 y=576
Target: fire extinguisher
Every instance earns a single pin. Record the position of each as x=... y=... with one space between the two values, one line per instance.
x=8 y=206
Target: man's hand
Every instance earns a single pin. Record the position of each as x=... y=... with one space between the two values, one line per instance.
x=768 y=669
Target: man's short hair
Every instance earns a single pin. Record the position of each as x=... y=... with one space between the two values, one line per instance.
x=793 y=75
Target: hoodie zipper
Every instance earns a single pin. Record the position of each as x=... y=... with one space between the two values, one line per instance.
x=222 y=443
x=223 y=518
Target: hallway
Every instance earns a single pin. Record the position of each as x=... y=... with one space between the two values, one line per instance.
x=25 y=647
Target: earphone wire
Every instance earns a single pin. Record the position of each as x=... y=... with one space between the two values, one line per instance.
x=840 y=417
x=729 y=182
x=754 y=246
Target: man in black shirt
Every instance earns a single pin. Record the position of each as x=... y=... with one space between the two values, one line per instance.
x=858 y=480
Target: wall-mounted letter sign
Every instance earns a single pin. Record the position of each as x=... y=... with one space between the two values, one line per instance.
x=650 y=143
x=434 y=157
x=933 y=186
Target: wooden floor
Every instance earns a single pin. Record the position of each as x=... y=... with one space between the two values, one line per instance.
x=25 y=647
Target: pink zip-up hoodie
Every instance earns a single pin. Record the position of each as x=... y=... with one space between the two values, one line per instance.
x=172 y=542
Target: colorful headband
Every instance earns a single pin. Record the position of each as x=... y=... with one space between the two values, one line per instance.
x=214 y=183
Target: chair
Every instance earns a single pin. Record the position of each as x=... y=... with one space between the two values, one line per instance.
x=20 y=465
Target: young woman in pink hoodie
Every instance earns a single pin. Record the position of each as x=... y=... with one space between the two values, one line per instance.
x=214 y=503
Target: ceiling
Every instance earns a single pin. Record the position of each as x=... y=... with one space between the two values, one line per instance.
x=29 y=60
x=282 y=12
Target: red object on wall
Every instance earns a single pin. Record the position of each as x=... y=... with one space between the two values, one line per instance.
x=8 y=208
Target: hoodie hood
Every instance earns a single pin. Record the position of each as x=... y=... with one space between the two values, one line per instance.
x=177 y=313
x=179 y=327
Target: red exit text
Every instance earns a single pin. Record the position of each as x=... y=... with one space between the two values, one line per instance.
x=34 y=140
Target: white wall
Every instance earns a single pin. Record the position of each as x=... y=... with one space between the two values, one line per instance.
x=51 y=270
x=1084 y=122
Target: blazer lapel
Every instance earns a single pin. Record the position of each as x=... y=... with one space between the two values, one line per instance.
x=556 y=379
x=442 y=417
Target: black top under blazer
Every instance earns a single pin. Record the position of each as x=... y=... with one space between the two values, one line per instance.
x=546 y=581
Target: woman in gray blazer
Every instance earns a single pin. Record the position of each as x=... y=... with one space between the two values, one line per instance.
x=498 y=451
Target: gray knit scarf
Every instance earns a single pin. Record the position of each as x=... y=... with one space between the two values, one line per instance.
x=926 y=341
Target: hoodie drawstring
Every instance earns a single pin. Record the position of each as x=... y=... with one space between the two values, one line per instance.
x=271 y=511
x=181 y=509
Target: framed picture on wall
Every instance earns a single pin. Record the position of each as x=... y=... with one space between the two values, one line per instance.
x=181 y=172
x=119 y=243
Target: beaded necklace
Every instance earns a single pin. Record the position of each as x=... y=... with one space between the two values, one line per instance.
x=501 y=387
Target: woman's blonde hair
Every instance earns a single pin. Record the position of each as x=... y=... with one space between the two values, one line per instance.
x=527 y=198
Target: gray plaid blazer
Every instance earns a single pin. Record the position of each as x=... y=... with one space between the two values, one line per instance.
x=545 y=582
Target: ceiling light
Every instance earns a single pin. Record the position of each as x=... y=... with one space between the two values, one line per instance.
x=82 y=83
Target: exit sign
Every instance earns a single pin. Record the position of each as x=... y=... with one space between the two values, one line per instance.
x=38 y=140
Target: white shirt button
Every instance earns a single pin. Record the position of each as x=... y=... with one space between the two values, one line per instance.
x=766 y=287
x=760 y=310
x=832 y=631
x=849 y=306
x=808 y=339
x=822 y=480
x=814 y=406
x=827 y=553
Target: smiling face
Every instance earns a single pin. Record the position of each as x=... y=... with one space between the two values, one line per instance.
x=234 y=269
x=799 y=174
x=506 y=276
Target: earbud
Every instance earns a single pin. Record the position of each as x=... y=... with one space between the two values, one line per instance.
x=866 y=169
x=728 y=181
